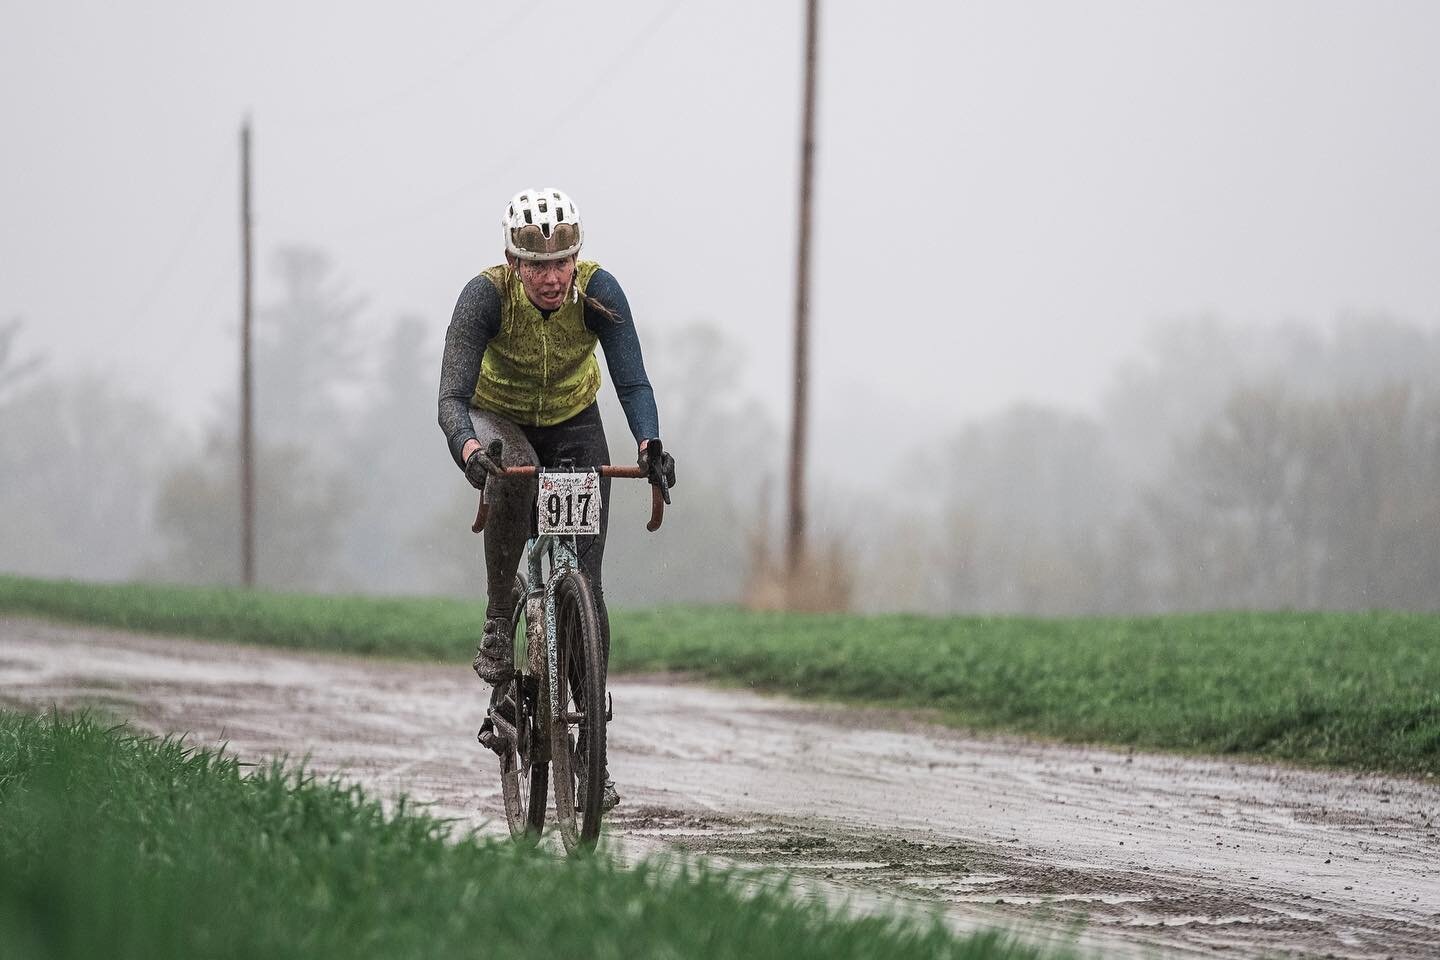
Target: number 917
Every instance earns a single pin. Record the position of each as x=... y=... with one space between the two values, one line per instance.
x=562 y=511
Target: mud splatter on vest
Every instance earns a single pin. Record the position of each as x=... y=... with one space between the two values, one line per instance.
x=538 y=371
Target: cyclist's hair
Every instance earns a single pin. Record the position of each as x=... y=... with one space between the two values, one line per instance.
x=592 y=304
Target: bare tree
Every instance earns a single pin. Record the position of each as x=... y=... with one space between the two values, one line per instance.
x=1306 y=503
x=309 y=380
x=14 y=372
x=1007 y=515
x=728 y=449
x=63 y=512
x=298 y=527
x=401 y=476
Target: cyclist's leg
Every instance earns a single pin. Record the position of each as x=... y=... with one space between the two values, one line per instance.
x=510 y=501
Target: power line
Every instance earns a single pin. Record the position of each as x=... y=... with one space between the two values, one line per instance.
x=325 y=119
x=605 y=76
x=183 y=344
x=186 y=236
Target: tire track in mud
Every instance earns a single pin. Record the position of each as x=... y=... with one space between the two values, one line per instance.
x=1126 y=853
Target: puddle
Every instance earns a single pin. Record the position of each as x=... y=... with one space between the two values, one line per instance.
x=1177 y=855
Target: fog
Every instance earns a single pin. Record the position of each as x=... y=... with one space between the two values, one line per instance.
x=1118 y=307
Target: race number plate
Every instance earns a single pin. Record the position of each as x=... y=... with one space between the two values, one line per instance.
x=569 y=503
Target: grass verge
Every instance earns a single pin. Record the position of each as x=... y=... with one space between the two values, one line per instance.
x=122 y=846
x=1359 y=690
x=1351 y=690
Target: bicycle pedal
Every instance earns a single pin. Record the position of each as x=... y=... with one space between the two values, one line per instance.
x=492 y=739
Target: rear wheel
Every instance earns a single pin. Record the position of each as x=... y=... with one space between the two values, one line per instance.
x=524 y=767
x=578 y=733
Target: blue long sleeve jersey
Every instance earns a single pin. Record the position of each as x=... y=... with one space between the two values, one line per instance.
x=477 y=320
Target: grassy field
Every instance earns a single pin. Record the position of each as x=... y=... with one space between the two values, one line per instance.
x=117 y=846
x=1354 y=690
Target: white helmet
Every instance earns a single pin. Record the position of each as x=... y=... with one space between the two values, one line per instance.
x=542 y=225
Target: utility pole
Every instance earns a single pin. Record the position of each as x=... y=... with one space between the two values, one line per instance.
x=795 y=546
x=247 y=426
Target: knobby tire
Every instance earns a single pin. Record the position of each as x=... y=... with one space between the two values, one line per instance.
x=581 y=679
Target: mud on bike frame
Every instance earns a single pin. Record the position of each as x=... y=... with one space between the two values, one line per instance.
x=537 y=731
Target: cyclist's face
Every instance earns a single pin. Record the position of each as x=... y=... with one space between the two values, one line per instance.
x=546 y=282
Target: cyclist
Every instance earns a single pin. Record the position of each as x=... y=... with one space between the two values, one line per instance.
x=519 y=366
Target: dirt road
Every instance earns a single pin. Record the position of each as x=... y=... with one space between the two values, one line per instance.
x=1150 y=853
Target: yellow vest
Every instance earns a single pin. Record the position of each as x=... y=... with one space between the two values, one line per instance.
x=538 y=371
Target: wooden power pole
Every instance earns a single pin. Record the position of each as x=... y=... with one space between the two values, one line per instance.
x=247 y=426
x=795 y=545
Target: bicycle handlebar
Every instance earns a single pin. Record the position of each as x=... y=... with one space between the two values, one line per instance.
x=659 y=494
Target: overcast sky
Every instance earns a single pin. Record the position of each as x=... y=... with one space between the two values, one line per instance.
x=1010 y=193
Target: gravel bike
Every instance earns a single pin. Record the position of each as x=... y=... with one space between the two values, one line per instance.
x=553 y=711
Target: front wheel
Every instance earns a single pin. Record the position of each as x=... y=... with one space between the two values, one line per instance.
x=578 y=733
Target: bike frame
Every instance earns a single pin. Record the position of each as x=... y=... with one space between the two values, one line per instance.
x=564 y=556
x=549 y=717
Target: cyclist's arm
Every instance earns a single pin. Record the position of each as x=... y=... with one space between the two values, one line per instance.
x=475 y=321
x=621 y=344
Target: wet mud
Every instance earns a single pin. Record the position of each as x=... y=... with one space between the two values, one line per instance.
x=1120 y=853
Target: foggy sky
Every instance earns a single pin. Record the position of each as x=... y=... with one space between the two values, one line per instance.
x=1009 y=193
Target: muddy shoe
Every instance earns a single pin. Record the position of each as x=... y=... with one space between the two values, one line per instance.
x=609 y=799
x=495 y=657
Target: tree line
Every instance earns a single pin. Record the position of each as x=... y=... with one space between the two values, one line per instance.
x=1288 y=466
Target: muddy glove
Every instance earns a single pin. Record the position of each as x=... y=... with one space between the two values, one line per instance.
x=665 y=468
x=659 y=468
x=479 y=467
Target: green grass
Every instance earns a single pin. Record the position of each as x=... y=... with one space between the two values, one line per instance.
x=113 y=845
x=1352 y=690
x=410 y=628
x=1359 y=690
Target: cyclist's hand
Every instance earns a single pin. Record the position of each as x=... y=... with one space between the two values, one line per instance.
x=478 y=467
x=664 y=468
